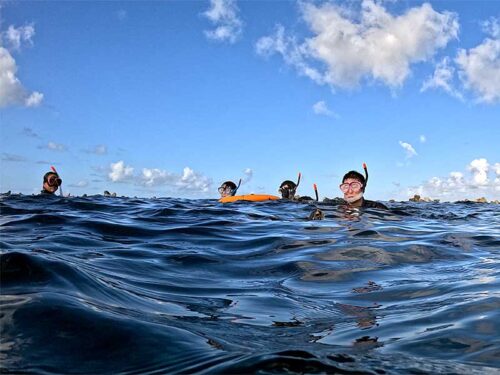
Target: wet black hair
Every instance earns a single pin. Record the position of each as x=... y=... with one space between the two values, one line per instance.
x=292 y=184
x=356 y=176
x=230 y=184
x=46 y=175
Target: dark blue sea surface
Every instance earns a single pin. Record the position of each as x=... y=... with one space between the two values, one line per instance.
x=119 y=285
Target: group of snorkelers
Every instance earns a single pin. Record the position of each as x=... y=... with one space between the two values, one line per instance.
x=353 y=187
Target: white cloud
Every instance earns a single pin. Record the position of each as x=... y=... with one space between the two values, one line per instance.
x=224 y=16
x=121 y=15
x=442 y=78
x=492 y=27
x=97 y=150
x=189 y=180
x=479 y=169
x=293 y=53
x=457 y=185
x=120 y=172
x=371 y=44
x=423 y=139
x=248 y=175
x=53 y=146
x=496 y=168
x=320 y=108
x=80 y=184
x=156 y=177
x=12 y=157
x=480 y=69
x=16 y=36
x=34 y=99
x=12 y=91
x=410 y=151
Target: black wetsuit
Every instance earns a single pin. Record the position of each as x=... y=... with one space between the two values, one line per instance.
x=366 y=203
x=373 y=204
x=45 y=192
x=303 y=198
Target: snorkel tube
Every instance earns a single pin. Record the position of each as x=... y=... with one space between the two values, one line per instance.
x=235 y=190
x=366 y=173
x=298 y=181
x=316 y=192
x=60 y=186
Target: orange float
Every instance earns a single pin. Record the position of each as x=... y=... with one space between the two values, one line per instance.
x=249 y=197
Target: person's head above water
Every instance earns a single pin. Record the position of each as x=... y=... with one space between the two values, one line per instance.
x=227 y=189
x=287 y=189
x=51 y=182
x=353 y=185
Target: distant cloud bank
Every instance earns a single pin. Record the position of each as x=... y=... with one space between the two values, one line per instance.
x=188 y=180
x=482 y=179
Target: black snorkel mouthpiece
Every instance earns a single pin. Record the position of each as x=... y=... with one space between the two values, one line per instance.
x=366 y=173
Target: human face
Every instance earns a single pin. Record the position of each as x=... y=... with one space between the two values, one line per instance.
x=351 y=187
x=225 y=191
x=51 y=189
x=52 y=183
x=287 y=192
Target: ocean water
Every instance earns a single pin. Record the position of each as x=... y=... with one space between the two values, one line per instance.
x=123 y=286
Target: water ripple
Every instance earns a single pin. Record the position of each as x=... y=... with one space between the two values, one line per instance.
x=120 y=285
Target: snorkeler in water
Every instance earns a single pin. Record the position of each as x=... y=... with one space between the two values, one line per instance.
x=353 y=186
x=228 y=189
x=51 y=182
x=288 y=190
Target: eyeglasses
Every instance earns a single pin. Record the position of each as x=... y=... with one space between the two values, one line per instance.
x=354 y=186
x=225 y=189
x=54 y=180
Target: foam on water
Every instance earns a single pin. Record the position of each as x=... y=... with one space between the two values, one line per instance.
x=120 y=285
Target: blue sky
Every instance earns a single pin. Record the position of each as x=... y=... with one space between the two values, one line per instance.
x=173 y=98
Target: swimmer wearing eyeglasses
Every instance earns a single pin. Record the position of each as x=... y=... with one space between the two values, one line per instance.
x=228 y=189
x=353 y=186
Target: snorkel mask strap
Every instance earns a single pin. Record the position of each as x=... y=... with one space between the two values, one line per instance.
x=366 y=174
x=60 y=186
x=235 y=190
